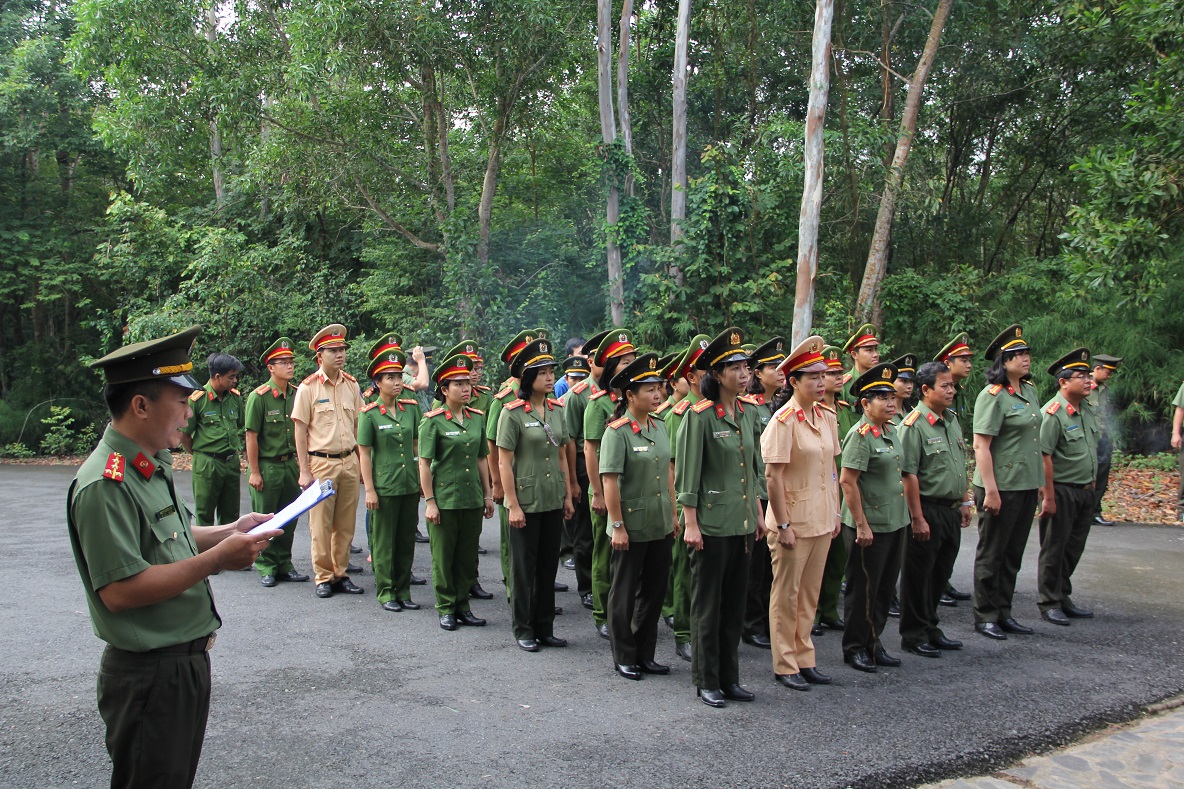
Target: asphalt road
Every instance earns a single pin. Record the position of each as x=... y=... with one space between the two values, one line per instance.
x=337 y=692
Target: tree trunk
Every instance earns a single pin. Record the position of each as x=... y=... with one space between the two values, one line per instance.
x=625 y=123
x=604 y=44
x=678 y=157
x=215 y=134
x=887 y=80
x=867 y=307
x=803 y=304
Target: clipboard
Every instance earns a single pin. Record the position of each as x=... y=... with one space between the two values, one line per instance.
x=313 y=495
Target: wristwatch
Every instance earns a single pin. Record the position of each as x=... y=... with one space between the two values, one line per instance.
x=783 y=526
x=618 y=524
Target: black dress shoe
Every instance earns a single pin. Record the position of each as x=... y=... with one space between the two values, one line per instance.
x=409 y=605
x=602 y=629
x=792 y=681
x=417 y=581
x=292 y=577
x=528 y=645
x=347 y=586
x=569 y=564
x=586 y=601
x=1055 y=616
x=482 y=551
x=354 y=549
x=268 y=581
x=894 y=608
x=941 y=642
x=954 y=593
x=477 y=593
x=683 y=651
x=946 y=600
x=669 y=621
x=448 y=622
x=628 y=672
x=814 y=676
x=353 y=569
x=860 y=661
x=551 y=641
x=1011 y=626
x=558 y=610
x=991 y=630
x=737 y=693
x=325 y=589
x=392 y=605
x=1073 y=612
x=924 y=649
x=653 y=667
x=560 y=587
x=421 y=537
x=712 y=698
x=1102 y=521
x=467 y=618
x=817 y=630
x=833 y=624
x=757 y=640
x=884 y=659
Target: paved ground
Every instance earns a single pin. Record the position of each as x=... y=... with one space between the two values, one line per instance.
x=319 y=693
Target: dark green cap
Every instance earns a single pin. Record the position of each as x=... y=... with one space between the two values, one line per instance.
x=906 y=366
x=1109 y=362
x=614 y=343
x=864 y=335
x=465 y=348
x=524 y=338
x=772 y=352
x=576 y=365
x=642 y=370
x=1076 y=360
x=165 y=359
x=1009 y=340
x=878 y=379
x=280 y=349
x=727 y=347
x=387 y=342
x=537 y=353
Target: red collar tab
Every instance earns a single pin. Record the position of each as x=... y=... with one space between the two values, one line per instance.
x=636 y=427
x=447 y=414
x=801 y=415
x=1070 y=410
x=143 y=465
x=932 y=418
x=526 y=407
x=875 y=431
x=719 y=411
x=1010 y=389
x=760 y=399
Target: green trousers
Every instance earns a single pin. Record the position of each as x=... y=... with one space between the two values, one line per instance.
x=454 y=558
x=392 y=545
x=678 y=589
x=503 y=520
x=832 y=581
x=280 y=488
x=155 y=706
x=215 y=489
x=602 y=554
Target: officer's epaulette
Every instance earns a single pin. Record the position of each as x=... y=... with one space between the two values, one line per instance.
x=663 y=407
x=581 y=386
x=472 y=410
x=437 y=412
x=516 y=404
x=553 y=401
x=408 y=401
x=826 y=407
x=197 y=395
x=1053 y=407
x=311 y=377
x=702 y=406
x=681 y=407
x=506 y=392
x=842 y=403
x=913 y=417
x=995 y=389
x=865 y=428
x=786 y=412
x=264 y=389
x=114 y=468
x=349 y=377
x=601 y=393
x=369 y=406
x=481 y=388
x=619 y=422
x=368 y=391
x=748 y=398
x=236 y=393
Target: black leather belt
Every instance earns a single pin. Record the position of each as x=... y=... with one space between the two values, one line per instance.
x=194 y=647
x=281 y=458
x=219 y=455
x=951 y=504
x=1080 y=486
x=330 y=455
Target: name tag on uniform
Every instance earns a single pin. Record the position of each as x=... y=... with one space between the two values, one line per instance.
x=641 y=449
x=1018 y=407
x=453 y=433
x=323 y=400
x=722 y=433
x=273 y=413
x=385 y=427
x=934 y=440
x=1071 y=428
x=883 y=449
x=167 y=511
x=530 y=424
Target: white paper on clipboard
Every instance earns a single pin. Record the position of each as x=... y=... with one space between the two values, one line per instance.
x=313 y=495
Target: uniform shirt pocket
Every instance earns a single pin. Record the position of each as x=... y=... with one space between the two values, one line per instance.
x=170 y=543
x=526 y=491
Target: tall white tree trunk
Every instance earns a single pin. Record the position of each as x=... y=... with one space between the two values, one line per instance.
x=215 y=135
x=626 y=124
x=604 y=46
x=867 y=307
x=678 y=164
x=803 y=303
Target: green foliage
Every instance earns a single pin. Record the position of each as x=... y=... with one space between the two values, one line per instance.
x=17 y=451
x=1162 y=461
x=64 y=435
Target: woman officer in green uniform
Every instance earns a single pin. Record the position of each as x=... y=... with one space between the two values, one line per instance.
x=718 y=463
x=874 y=518
x=638 y=483
x=388 y=430
x=454 y=477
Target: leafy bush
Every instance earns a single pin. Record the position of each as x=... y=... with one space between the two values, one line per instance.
x=1162 y=461
x=17 y=450
x=63 y=436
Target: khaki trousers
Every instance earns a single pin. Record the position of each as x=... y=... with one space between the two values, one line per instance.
x=332 y=521
x=793 y=600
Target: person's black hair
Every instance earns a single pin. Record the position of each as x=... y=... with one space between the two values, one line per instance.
x=872 y=396
x=623 y=403
x=610 y=370
x=782 y=397
x=118 y=397
x=526 y=382
x=996 y=374
x=379 y=376
x=573 y=344
x=928 y=372
x=754 y=383
x=223 y=364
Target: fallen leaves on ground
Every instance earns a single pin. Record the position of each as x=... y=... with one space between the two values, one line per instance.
x=1142 y=496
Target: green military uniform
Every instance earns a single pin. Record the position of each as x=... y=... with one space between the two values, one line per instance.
x=1070 y=435
x=875 y=452
x=836 y=557
x=596 y=417
x=1012 y=418
x=935 y=453
x=575 y=404
x=864 y=335
x=269 y=416
x=1099 y=398
x=216 y=429
x=391 y=433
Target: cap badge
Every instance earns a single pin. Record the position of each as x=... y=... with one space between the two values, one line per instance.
x=285 y=346
x=469 y=349
x=653 y=363
x=886 y=372
x=1085 y=356
x=543 y=347
x=392 y=358
x=623 y=337
x=1019 y=332
x=777 y=345
x=461 y=363
x=529 y=338
x=735 y=338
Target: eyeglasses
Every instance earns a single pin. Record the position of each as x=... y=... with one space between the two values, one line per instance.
x=550 y=435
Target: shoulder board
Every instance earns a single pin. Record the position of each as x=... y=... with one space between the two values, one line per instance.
x=434 y=412
x=408 y=401
x=370 y=406
x=1053 y=407
x=843 y=403
x=481 y=388
x=865 y=428
x=908 y=420
x=477 y=411
x=702 y=406
x=236 y=393
x=663 y=407
x=114 y=468
x=785 y=414
x=309 y=379
x=826 y=407
x=581 y=386
x=199 y=394
x=681 y=407
x=264 y=389
x=619 y=422
x=505 y=392
x=349 y=377
x=368 y=391
x=995 y=389
x=553 y=401
x=747 y=398
x=515 y=404
x=601 y=393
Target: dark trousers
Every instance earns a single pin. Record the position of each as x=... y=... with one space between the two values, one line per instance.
x=760 y=581
x=534 y=555
x=581 y=537
x=454 y=558
x=635 y=599
x=1102 y=482
x=1062 y=541
x=719 y=584
x=279 y=489
x=871 y=583
x=602 y=548
x=1001 y=542
x=832 y=580
x=155 y=706
x=926 y=571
